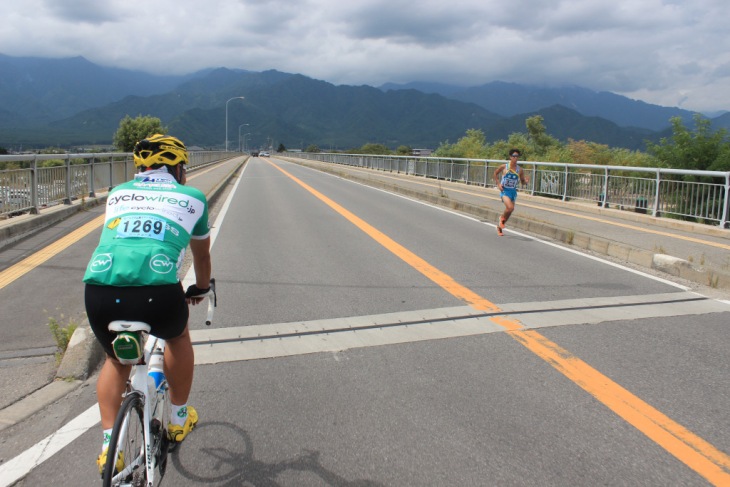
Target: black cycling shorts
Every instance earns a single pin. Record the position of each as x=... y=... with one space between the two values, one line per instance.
x=162 y=307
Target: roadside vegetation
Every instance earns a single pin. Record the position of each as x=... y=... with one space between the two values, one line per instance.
x=62 y=335
x=697 y=149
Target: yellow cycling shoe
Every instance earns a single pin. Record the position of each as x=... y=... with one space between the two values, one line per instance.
x=177 y=433
x=101 y=461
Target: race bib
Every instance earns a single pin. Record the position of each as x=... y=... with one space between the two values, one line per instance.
x=141 y=226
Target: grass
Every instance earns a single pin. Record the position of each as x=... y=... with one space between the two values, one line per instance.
x=61 y=334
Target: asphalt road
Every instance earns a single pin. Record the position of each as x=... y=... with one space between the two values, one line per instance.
x=366 y=339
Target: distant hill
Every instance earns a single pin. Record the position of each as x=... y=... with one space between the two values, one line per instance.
x=723 y=121
x=564 y=123
x=291 y=109
x=72 y=102
x=509 y=99
x=38 y=90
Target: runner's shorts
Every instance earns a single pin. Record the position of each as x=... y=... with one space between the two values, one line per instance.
x=162 y=307
x=510 y=193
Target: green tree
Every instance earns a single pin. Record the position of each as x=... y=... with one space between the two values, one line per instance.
x=3 y=150
x=132 y=130
x=540 y=141
x=375 y=149
x=699 y=149
x=281 y=148
x=471 y=146
x=312 y=148
x=722 y=163
x=404 y=150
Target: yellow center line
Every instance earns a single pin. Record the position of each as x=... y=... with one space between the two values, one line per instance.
x=693 y=451
x=29 y=263
x=577 y=215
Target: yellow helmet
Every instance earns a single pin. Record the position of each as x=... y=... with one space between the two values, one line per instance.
x=160 y=149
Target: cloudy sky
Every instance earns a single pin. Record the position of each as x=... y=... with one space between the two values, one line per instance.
x=666 y=52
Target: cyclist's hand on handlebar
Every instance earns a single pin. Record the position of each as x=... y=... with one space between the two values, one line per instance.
x=195 y=295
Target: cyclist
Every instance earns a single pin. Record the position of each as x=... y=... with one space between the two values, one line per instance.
x=507 y=177
x=133 y=275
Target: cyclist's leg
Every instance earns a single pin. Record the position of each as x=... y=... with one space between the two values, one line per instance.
x=110 y=386
x=101 y=309
x=179 y=360
x=179 y=366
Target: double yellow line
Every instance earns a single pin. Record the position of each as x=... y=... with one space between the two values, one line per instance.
x=693 y=451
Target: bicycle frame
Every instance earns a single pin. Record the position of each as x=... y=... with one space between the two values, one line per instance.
x=140 y=383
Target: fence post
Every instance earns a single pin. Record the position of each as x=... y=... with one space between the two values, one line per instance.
x=34 y=186
x=532 y=180
x=604 y=202
x=726 y=206
x=67 y=200
x=92 y=176
x=655 y=212
x=565 y=188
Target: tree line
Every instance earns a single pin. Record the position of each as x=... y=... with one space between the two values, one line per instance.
x=699 y=148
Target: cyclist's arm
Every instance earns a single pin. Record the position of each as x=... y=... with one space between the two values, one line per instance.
x=201 y=261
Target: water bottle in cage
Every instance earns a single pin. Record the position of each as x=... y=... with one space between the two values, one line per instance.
x=155 y=368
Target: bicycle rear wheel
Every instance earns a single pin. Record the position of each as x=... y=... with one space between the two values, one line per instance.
x=127 y=441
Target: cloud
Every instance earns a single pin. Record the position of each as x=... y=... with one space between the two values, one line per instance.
x=662 y=51
x=90 y=11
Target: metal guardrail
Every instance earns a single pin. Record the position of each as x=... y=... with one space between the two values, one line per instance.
x=33 y=187
x=702 y=196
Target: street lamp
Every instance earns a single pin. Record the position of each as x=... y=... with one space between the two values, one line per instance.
x=244 y=140
x=239 y=135
x=235 y=97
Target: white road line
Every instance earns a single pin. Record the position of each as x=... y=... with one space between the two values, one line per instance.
x=254 y=342
x=17 y=468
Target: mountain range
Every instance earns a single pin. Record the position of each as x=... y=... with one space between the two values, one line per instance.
x=72 y=102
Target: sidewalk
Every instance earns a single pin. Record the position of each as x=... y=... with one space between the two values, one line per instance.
x=25 y=388
x=692 y=252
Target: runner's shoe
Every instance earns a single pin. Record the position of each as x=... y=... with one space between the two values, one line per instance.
x=177 y=433
x=101 y=461
x=502 y=221
x=499 y=231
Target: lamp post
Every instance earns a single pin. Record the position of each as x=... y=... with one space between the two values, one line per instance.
x=235 y=97
x=244 y=140
x=239 y=135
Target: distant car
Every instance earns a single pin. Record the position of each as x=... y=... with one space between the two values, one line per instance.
x=254 y=153
x=265 y=154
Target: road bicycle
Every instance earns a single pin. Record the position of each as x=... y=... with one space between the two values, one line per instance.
x=139 y=437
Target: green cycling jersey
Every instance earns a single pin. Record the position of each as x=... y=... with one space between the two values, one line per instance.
x=148 y=225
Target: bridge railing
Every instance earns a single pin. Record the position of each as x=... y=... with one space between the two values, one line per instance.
x=702 y=196
x=32 y=186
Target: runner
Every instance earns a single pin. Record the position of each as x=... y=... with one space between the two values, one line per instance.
x=507 y=177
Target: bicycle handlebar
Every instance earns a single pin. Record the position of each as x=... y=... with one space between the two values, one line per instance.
x=212 y=302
